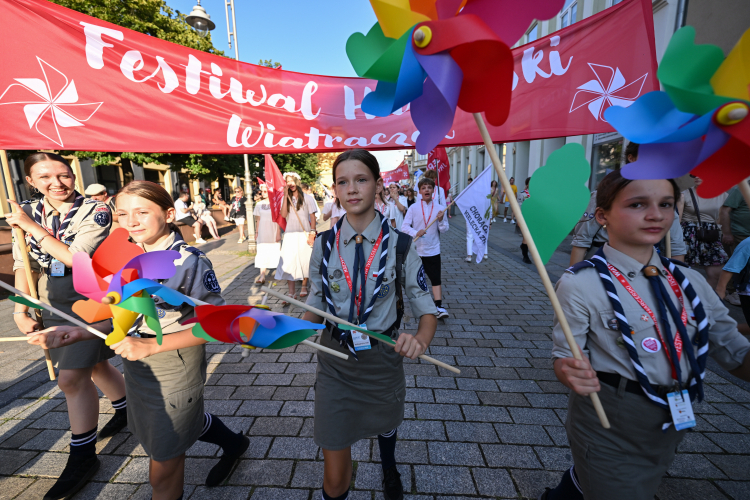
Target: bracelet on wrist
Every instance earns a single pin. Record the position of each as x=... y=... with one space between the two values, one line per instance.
x=39 y=240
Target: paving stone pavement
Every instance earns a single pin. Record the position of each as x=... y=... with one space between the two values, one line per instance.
x=495 y=431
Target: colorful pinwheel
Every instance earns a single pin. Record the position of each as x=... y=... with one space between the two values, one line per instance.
x=442 y=54
x=698 y=124
x=253 y=326
x=119 y=281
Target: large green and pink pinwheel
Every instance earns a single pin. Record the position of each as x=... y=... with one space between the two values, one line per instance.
x=439 y=55
x=119 y=282
x=699 y=124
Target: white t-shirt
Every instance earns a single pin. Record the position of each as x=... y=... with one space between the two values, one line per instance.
x=179 y=206
x=395 y=213
x=337 y=211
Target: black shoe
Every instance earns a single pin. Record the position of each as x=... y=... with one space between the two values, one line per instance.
x=76 y=474
x=226 y=464
x=544 y=495
x=115 y=425
x=392 y=487
x=526 y=260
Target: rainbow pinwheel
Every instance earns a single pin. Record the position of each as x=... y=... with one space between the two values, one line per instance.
x=253 y=326
x=119 y=281
x=699 y=123
x=442 y=54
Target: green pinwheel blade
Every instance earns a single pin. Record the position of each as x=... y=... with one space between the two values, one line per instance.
x=685 y=72
x=375 y=55
x=200 y=333
x=291 y=338
x=550 y=221
x=379 y=336
x=23 y=301
x=146 y=307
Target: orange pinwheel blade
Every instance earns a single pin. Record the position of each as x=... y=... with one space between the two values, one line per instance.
x=114 y=253
x=92 y=311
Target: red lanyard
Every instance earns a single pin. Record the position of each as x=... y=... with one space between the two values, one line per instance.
x=380 y=207
x=358 y=298
x=642 y=303
x=421 y=203
x=44 y=218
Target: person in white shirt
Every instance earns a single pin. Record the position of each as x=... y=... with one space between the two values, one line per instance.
x=398 y=206
x=439 y=193
x=183 y=214
x=417 y=225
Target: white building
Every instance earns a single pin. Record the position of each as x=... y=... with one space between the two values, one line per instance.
x=721 y=23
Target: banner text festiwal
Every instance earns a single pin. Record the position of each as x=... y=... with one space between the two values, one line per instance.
x=70 y=81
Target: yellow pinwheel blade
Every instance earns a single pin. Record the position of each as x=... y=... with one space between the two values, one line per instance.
x=732 y=79
x=122 y=320
x=396 y=17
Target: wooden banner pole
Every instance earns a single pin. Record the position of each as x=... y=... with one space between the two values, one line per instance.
x=489 y=147
x=21 y=239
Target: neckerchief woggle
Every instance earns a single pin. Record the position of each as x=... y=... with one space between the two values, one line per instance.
x=345 y=338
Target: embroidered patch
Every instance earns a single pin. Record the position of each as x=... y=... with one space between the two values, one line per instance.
x=613 y=324
x=421 y=279
x=102 y=218
x=650 y=344
x=210 y=282
x=644 y=317
x=102 y=208
x=384 y=289
x=161 y=313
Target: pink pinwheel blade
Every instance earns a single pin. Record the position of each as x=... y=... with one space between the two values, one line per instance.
x=85 y=280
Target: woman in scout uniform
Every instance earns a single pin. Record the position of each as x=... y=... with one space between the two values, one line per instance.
x=165 y=382
x=62 y=223
x=363 y=396
x=645 y=326
x=296 y=245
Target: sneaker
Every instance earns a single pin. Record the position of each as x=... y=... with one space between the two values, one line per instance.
x=486 y=256
x=493 y=220
x=505 y=220
x=226 y=219
x=241 y=240
x=513 y=221
x=442 y=313
x=226 y=465
x=393 y=489
x=200 y=240
x=733 y=299
x=115 y=425
x=78 y=471
x=544 y=494
x=468 y=258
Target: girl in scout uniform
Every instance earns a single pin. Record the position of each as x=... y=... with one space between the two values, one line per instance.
x=62 y=223
x=353 y=275
x=645 y=325
x=165 y=382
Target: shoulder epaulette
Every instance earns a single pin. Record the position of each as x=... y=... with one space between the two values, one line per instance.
x=581 y=265
x=90 y=200
x=193 y=251
x=27 y=202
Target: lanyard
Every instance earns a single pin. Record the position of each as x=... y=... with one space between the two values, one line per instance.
x=62 y=223
x=421 y=203
x=642 y=303
x=358 y=298
x=380 y=207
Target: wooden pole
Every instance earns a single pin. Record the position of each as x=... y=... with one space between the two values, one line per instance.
x=14 y=339
x=337 y=320
x=668 y=245
x=21 y=239
x=489 y=147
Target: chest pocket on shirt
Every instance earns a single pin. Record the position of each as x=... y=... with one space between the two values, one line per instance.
x=387 y=287
x=636 y=319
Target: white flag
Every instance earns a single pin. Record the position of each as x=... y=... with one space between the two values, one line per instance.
x=476 y=206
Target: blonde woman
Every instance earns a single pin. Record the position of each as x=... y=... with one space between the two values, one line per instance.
x=199 y=207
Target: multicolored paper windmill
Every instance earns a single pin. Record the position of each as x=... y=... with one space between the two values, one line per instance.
x=699 y=124
x=253 y=326
x=442 y=54
x=119 y=281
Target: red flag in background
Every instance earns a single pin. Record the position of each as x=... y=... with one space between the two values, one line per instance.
x=400 y=173
x=275 y=184
x=260 y=181
x=438 y=160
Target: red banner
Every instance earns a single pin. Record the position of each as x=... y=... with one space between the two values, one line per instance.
x=400 y=173
x=71 y=81
x=438 y=160
x=275 y=185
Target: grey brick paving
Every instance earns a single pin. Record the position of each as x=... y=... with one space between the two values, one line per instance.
x=495 y=431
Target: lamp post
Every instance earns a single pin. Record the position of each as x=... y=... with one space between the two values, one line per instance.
x=202 y=23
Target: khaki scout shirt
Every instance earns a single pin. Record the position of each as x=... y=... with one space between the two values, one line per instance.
x=383 y=314
x=588 y=231
x=194 y=277
x=89 y=226
x=589 y=312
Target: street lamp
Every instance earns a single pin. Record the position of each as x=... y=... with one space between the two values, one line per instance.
x=202 y=23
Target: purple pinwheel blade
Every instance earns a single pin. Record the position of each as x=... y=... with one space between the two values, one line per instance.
x=433 y=112
x=664 y=161
x=157 y=265
x=266 y=318
x=715 y=140
x=388 y=97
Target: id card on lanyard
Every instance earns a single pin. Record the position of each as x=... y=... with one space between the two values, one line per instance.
x=56 y=268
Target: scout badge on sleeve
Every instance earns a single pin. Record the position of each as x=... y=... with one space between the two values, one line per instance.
x=118 y=281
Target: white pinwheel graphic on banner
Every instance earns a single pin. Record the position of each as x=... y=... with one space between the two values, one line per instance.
x=608 y=89
x=50 y=103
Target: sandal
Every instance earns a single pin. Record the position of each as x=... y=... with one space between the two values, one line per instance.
x=260 y=281
x=303 y=292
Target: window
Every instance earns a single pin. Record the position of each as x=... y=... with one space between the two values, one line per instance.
x=611 y=3
x=569 y=13
x=533 y=33
x=607 y=157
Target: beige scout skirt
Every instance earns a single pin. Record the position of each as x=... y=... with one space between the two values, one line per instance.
x=165 y=400
x=354 y=399
x=59 y=292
